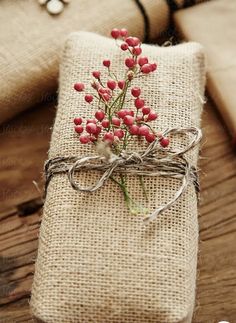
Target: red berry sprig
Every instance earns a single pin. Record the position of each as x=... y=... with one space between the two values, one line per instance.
x=112 y=122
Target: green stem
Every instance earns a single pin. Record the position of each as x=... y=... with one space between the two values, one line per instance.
x=126 y=140
x=117 y=98
x=112 y=75
x=124 y=93
x=131 y=205
x=143 y=187
x=123 y=187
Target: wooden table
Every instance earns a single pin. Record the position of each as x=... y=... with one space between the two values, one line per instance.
x=23 y=145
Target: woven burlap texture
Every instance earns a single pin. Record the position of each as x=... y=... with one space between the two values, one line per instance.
x=96 y=261
x=31 y=40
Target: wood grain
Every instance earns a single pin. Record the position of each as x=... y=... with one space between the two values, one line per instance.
x=23 y=151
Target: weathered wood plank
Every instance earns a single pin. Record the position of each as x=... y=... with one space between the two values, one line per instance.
x=18 y=248
x=16 y=312
x=21 y=163
x=24 y=143
x=216 y=283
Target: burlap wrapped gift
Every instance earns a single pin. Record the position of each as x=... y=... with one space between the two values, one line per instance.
x=96 y=261
x=31 y=40
x=218 y=18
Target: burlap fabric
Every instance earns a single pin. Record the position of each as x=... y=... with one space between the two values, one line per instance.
x=31 y=40
x=218 y=18
x=97 y=262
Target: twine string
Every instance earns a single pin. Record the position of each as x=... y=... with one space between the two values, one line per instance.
x=154 y=161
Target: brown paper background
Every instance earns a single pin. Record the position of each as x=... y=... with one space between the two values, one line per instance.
x=213 y=24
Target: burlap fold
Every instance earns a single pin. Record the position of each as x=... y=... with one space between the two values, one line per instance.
x=31 y=40
x=96 y=261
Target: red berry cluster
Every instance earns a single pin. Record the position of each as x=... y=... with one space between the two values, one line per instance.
x=112 y=122
x=133 y=46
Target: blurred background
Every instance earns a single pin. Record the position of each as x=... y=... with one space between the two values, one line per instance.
x=31 y=39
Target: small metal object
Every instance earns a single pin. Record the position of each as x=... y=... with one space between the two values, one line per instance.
x=54 y=7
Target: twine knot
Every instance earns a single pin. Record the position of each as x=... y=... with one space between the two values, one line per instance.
x=154 y=161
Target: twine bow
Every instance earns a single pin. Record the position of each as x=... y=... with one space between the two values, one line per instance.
x=154 y=161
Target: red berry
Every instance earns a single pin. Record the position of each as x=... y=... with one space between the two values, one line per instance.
x=103 y=90
x=146 y=110
x=106 y=97
x=115 y=121
x=105 y=94
x=123 y=32
x=150 y=137
x=152 y=116
x=130 y=41
x=124 y=46
x=128 y=120
x=146 y=68
x=79 y=87
x=136 y=91
x=78 y=121
x=129 y=62
x=111 y=84
x=115 y=33
x=106 y=63
x=79 y=129
x=91 y=128
x=136 y=41
x=88 y=98
x=93 y=138
x=96 y=74
x=137 y=51
x=164 y=142
x=105 y=123
x=139 y=103
x=153 y=67
x=130 y=113
x=143 y=130
x=99 y=115
x=121 y=84
x=142 y=60
x=122 y=113
x=139 y=119
x=119 y=133
x=84 y=139
x=108 y=137
x=99 y=129
x=108 y=91
x=134 y=129
x=91 y=121
x=125 y=112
